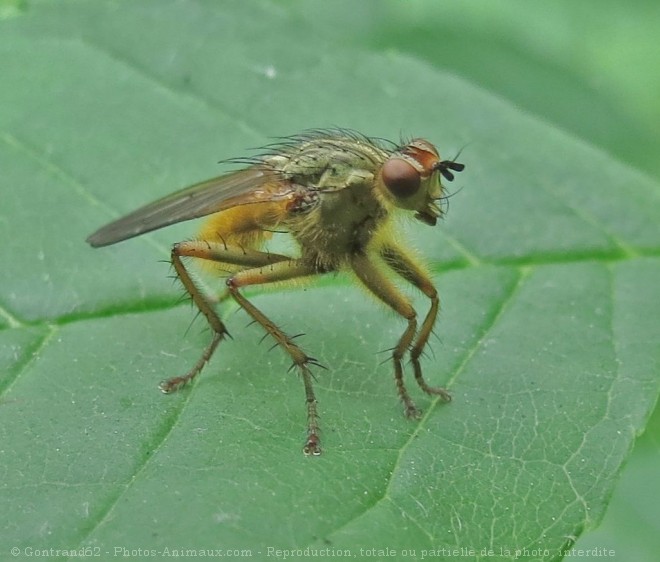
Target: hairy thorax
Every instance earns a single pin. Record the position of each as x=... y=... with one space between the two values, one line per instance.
x=343 y=223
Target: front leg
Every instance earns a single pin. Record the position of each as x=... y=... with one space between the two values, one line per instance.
x=379 y=284
x=413 y=272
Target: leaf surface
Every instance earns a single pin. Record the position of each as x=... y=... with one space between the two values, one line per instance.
x=547 y=265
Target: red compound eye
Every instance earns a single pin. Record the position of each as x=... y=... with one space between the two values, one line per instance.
x=400 y=178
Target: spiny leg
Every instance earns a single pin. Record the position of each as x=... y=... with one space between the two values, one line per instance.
x=396 y=258
x=378 y=283
x=283 y=272
x=215 y=252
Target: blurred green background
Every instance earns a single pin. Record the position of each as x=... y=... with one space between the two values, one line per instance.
x=591 y=68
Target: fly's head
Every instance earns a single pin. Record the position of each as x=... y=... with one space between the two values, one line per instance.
x=410 y=179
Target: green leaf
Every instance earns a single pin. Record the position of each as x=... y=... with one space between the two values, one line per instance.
x=547 y=265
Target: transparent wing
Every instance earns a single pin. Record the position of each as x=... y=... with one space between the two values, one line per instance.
x=252 y=185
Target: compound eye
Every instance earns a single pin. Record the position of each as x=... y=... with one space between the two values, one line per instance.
x=400 y=178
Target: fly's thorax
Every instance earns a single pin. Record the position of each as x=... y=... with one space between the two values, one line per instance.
x=331 y=164
x=342 y=210
x=343 y=222
x=409 y=179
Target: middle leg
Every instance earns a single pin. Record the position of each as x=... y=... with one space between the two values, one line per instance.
x=222 y=253
x=259 y=268
x=284 y=271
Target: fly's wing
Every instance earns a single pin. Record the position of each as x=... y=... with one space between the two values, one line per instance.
x=252 y=185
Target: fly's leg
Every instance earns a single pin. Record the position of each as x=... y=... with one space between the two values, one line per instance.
x=205 y=307
x=283 y=272
x=262 y=267
x=379 y=284
x=415 y=274
x=216 y=252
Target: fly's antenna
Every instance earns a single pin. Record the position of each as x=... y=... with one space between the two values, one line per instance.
x=445 y=167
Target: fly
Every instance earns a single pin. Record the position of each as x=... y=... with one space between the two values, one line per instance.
x=335 y=192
